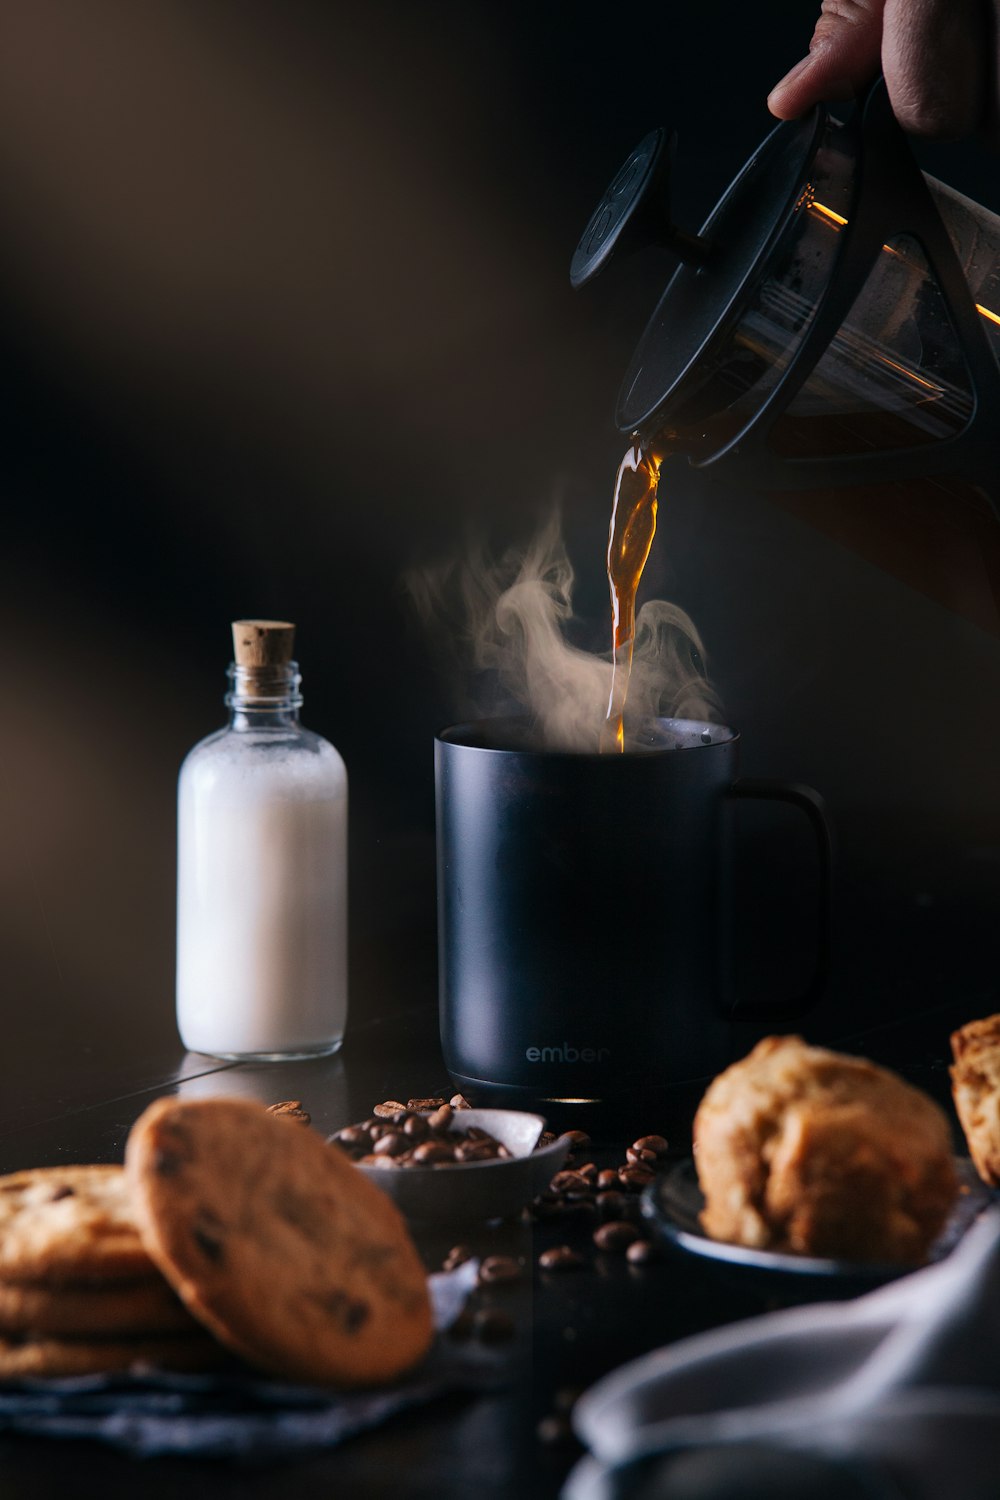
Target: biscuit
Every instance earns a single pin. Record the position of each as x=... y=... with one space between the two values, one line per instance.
x=105 y=1309
x=975 y=1087
x=277 y=1243
x=69 y=1224
x=52 y=1358
x=804 y=1150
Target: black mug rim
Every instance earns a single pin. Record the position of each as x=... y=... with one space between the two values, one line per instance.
x=471 y=735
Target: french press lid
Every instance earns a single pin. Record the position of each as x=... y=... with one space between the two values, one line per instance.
x=718 y=265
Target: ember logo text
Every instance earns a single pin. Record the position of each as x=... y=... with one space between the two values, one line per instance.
x=567 y=1054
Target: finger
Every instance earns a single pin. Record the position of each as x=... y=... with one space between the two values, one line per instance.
x=843 y=57
x=934 y=56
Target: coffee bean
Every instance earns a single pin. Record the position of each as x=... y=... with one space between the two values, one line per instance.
x=577 y=1139
x=415 y=1130
x=393 y=1143
x=291 y=1109
x=554 y=1431
x=459 y=1101
x=617 y=1234
x=642 y=1253
x=634 y=1179
x=588 y=1170
x=560 y=1258
x=492 y=1325
x=547 y=1138
x=425 y=1104
x=388 y=1109
x=608 y=1179
x=576 y=1208
x=477 y=1151
x=612 y=1205
x=499 y=1268
x=432 y=1153
x=569 y=1181
x=639 y=1158
x=655 y=1143
x=457 y=1256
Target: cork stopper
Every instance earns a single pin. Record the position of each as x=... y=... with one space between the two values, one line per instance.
x=263 y=643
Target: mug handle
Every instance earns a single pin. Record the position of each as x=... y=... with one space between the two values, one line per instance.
x=811 y=803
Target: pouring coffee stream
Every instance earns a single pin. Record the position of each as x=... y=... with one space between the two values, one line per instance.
x=633 y=526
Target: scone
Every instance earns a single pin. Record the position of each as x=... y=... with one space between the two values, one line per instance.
x=276 y=1243
x=975 y=1087
x=805 y=1150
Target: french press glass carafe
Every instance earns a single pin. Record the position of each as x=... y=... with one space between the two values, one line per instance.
x=834 y=328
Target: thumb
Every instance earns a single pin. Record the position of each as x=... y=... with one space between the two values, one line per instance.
x=843 y=56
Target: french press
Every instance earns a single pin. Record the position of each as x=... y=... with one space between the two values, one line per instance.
x=834 y=324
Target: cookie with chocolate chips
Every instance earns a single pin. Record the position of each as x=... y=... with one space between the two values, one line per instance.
x=276 y=1243
x=69 y=1224
x=82 y=1309
x=55 y=1357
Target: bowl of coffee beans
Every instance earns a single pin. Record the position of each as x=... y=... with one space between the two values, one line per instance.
x=455 y=1163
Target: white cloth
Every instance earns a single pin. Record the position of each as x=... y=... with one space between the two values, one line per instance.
x=905 y=1379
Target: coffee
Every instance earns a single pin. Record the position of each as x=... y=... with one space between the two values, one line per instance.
x=633 y=526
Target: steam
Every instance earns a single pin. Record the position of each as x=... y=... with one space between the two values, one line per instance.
x=501 y=624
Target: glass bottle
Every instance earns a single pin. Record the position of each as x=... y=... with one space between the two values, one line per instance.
x=262 y=870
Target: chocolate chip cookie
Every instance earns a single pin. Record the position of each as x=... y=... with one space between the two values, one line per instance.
x=46 y=1358
x=61 y=1224
x=277 y=1243
x=104 y=1309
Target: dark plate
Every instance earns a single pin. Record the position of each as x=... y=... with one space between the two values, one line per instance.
x=672 y=1205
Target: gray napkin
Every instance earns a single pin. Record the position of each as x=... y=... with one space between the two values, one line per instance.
x=896 y=1393
x=239 y=1416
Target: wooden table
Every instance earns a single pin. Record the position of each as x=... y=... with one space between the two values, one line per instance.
x=60 y=1103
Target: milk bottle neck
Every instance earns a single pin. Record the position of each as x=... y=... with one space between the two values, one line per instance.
x=264 y=697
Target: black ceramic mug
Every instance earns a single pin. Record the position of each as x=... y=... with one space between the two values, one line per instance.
x=582 y=910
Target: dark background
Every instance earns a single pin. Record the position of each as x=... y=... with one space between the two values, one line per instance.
x=285 y=310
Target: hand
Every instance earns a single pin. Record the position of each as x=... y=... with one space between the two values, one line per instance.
x=939 y=58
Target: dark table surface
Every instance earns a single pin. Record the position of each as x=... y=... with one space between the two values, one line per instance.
x=61 y=1102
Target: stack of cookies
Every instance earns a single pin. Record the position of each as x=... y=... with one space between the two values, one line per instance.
x=231 y=1233
x=78 y=1292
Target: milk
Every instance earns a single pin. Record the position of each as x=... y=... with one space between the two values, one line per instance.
x=262 y=886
